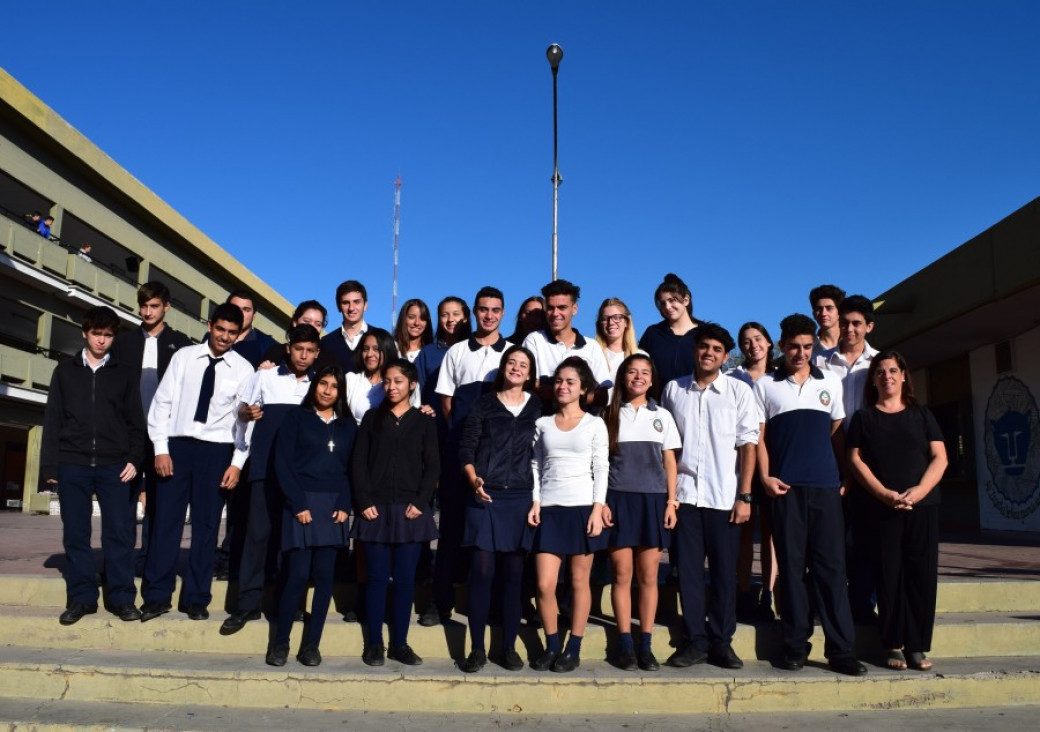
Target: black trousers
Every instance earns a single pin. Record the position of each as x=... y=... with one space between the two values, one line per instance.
x=198 y=467
x=861 y=549
x=908 y=568
x=699 y=533
x=262 y=501
x=809 y=534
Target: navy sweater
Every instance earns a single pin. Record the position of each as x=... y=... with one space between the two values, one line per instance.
x=499 y=445
x=303 y=462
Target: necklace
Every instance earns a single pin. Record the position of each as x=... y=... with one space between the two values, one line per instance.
x=328 y=427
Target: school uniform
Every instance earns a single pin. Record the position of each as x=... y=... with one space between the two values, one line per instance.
x=672 y=354
x=550 y=352
x=363 y=395
x=93 y=427
x=311 y=460
x=395 y=463
x=570 y=475
x=807 y=523
x=714 y=421
x=279 y=392
x=338 y=349
x=637 y=488
x=196 y=430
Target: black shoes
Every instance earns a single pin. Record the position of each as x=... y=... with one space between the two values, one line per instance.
x=626 y=661
x=511 y=660
x=686 y=657
x=309 y=655
x=793 y=660
x=566 y=662
x=475 y=661
x=647 y=661
x=431 y=616
x=126 y=613
x=277 y=655
x=237 y=620
x=404 y=654
x=197 y=612
x=151 y=610
x=847 y=665
x=724 y=657
x=545 y=661
x=75 y=612
x=374 y=655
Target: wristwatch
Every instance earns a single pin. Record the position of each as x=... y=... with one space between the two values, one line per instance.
x=745 y=497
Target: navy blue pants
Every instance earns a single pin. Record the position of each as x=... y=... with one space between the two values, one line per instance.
x=262 y=499
x=450 y=554
x=699 y=533
x=197 y=471
x=77 y=485
x=383 y=561
x=299 y=566
x=809 y=533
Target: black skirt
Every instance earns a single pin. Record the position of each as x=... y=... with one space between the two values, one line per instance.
x=638 y=519
x=499 y=526
x=391 y=526
x=321 y=531
x=562 y=531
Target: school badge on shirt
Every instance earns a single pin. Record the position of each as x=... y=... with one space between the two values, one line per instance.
x=825 y=398
x=659 y=425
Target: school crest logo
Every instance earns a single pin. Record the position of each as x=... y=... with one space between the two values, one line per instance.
x=659 y=425
x=1012 y=449
x=825 y=398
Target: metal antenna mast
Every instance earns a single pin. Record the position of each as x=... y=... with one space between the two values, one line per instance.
x=397 y=235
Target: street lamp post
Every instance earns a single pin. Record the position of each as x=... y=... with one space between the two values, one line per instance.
x=555 y=54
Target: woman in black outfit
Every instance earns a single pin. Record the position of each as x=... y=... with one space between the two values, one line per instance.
x=395 y=468
x=311 y=460
x=897 y=454
x=495 y=452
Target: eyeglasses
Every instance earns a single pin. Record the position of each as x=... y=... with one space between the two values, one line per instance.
x=614 y=319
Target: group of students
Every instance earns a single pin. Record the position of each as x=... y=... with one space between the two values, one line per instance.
x=539 y=450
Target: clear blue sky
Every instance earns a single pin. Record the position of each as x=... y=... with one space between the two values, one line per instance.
x=755 y=148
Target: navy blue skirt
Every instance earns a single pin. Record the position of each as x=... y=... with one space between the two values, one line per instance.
x=321 y=531
x=499 y=526
x=562 y=531
x=638 y=519
x=391 y=526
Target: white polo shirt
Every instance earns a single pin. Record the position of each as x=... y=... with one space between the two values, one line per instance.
x=466 y=373
x=853 y=378
x=643 y=434
x=549 y=353
x=714 y=422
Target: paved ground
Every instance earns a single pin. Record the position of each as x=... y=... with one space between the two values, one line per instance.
x=31 y=544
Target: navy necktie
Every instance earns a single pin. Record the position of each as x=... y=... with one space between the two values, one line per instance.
x=209 y=380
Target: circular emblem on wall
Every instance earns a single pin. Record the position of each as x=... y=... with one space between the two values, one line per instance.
x=1012 y=445
x=825 y=398
x=659 y=425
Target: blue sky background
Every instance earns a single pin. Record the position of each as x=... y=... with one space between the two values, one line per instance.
x=755 y=148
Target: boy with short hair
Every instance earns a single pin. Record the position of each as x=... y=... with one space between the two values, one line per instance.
x=338 y=347
x=267 y=398
x=93 y=441
x=824 y=301
x=191 y=425
x=800 y=448
x=252 y=343
x=560 y=340
x=718 y=421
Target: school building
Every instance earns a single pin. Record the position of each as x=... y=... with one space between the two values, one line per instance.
x=969 y=327
x=46 y=283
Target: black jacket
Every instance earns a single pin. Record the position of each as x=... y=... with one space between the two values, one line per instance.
x=499 y=445
x=92 y=418
x=397 y=462
x=128 y=348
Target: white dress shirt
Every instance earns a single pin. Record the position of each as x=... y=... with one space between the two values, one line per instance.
x=714 y=422
x=172 y=413
x=353 y=340
x=853 y=378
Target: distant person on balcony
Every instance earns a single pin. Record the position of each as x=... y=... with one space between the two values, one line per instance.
x=93 y=441
x=191 y=424
x=308 y=312
x=338 y=347
x=147 y=351
x=32 y=220
x=84 y=252
x=44 y=227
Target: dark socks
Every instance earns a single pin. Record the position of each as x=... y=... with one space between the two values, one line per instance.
x=552 y=642
x=644 y=641
x=574 y=645
x=627 y=646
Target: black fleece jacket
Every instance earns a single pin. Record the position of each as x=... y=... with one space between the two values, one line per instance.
x=499 y=445
x=92 y=418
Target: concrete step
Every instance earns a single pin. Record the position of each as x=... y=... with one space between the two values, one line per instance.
x=965 y=635
x=65 y=716
x=954 y=595
x=243 y=681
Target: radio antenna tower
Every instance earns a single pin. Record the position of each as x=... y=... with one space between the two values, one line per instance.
x=397 y=236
